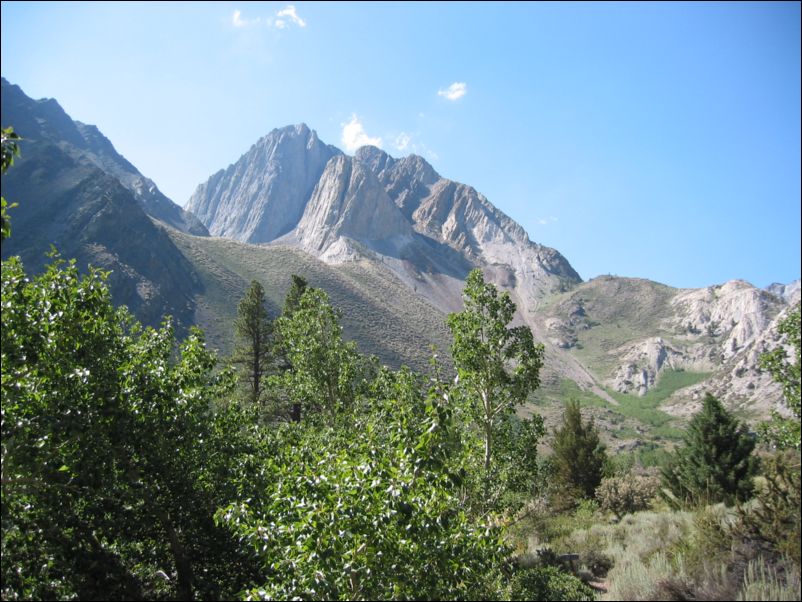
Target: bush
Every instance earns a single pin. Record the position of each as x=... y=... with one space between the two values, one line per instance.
x=624 y=495
x=547 y=583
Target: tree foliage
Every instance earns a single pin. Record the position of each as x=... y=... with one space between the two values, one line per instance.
x=325 y=372
x=10 y=149
x=254 y=332
x=497 y=366
x=715 y=464
x=578 y=459
x=368 y=511
x=785 y=432
x=115 y=453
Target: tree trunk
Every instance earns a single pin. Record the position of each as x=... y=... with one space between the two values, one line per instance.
x=183 y=565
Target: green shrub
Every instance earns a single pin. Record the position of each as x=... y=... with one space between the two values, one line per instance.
x=547 y=583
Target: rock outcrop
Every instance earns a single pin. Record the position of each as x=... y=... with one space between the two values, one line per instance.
x=792 y=292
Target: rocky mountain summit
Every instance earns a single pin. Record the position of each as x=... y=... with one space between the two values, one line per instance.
x=263 y=195
x=292 y=189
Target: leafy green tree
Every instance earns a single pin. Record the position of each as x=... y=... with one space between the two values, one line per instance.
x=326 y=373
x=254 y=331
x=115 y=451
x=579 y=457
x=785 y=432
x=715 y=464
x=10 y=149
x=367 y=511
x=497 y=366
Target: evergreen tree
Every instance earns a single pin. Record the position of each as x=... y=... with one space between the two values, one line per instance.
x=716 y=463
x=579 y=457
x=254 y=331
x=293 y=299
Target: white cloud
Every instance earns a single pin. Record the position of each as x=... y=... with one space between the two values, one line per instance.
x=410 y=143
x=543 y=221
x=402 y=141
x=289 y=12
x=284 y=18
x=238 y=21
x=455 y=91
x=354 y=135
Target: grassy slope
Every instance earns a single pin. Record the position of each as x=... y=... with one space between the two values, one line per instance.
x=378 y=311
x=388 y=320
x=619 y=310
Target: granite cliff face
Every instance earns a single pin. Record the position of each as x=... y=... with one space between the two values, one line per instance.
x=792 y=292
x=349 y=204
x=458 y=216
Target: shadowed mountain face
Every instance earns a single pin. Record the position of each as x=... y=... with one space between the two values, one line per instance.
x=45 y=121
x=68 y=200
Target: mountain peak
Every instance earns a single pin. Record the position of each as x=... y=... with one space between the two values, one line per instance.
x=263 y=195
x=375 y=158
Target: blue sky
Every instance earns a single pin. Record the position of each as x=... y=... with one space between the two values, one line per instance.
x=650 y=140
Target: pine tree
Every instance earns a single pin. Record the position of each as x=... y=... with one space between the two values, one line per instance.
x=578 y=458
x=716 y=463
x=254 y=331
x=293 y=299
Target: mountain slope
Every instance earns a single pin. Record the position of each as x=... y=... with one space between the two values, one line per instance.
x=378 y=311
x=67 y=201
x=291 y=188
x=45 y=121
x=629 y=333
